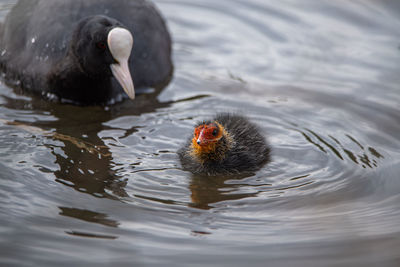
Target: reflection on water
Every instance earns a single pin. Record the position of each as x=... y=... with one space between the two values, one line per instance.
x=361 y=158
x=321 y=80
x=87 y=166
x=208 y=190
x=91 y=235
x=88 y=216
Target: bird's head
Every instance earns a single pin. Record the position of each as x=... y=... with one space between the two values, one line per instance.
x=206 y=136
x=102 y=46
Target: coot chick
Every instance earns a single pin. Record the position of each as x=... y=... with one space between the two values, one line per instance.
x=80 y=51
x=227 y=144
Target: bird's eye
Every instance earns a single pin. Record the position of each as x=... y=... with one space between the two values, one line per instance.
x=214 y=132
x=101 y=45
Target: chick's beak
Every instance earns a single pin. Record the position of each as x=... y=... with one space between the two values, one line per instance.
x=201 y=139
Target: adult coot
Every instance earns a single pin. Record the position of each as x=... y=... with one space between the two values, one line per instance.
x=80 y=51
x=227 y=144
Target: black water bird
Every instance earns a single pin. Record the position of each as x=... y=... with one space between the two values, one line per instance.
x=84 y=51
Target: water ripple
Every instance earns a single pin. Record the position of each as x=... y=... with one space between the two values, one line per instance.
x=321 y=81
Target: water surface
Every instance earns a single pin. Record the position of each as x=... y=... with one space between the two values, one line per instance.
x=103 y=186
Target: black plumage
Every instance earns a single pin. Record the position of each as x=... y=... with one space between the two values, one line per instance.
x=241 y=148
x=47 y=47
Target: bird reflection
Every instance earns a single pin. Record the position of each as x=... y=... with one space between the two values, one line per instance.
x=84 y=161
x=209 y=190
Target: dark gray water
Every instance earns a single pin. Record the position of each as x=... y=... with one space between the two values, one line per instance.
x=92 y=186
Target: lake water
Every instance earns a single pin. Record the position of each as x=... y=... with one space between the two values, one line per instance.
x=95 y=186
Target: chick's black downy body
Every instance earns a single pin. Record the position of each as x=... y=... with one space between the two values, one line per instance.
x=241 y=148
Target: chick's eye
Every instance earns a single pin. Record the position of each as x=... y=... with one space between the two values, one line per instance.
x=214 y=132
x=101 y=45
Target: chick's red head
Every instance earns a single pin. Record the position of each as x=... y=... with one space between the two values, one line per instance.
x=207 y=134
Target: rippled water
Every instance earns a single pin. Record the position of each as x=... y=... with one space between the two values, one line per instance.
x=103 y=186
